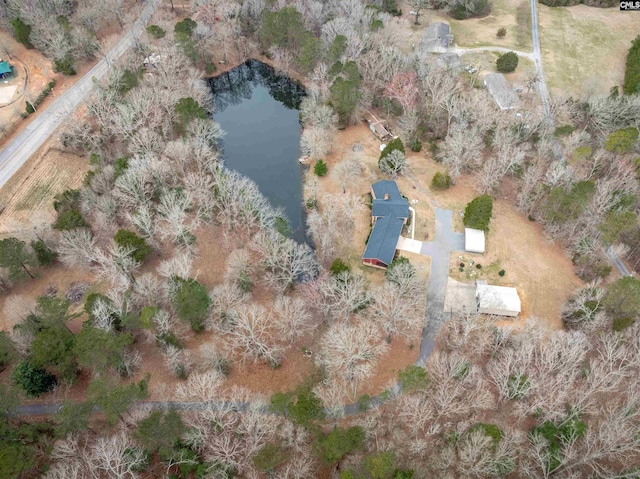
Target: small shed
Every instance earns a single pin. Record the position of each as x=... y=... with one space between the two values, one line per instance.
x=501 y=91
x=5 y=69
x=436 y=38
x=497 y=300
x=473 y=240
x=377 y=126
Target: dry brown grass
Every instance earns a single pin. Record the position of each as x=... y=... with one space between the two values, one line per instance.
x=514 y=15
x=28 y=197
x=585 y=49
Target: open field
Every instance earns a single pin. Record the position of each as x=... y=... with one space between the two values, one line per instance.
x=584 y=49
x=514 y=15
x=27 y=200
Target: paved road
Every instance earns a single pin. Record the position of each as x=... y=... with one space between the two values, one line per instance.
x=25 y=144
x=537 y=59
x=462 y=51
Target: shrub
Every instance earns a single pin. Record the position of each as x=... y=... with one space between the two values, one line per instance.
x=441 y=181
x=191 y=301
x=155 y=31
x=320 y=168
x=64 y=65
x=416 y=146
x=563 y=130
x=490 y=430
x=620 y=324
x=413 y=377
x=339 y=442
x=621 y=141
x=22 y=32
x=44 y=254
x=210 y=68
x=120 y=166
x=502 y=32
x=69 y=220
x=312 y=203
x=128 y=80
x=478 y=266
x=338 y=266
x=393 y=163
x=507 y=62
x=34 y=381
x=477 y=214
x=501 y=272
x=393 y=145
x=622 y=298
x=128 y=239
x=189 y=109
x=632 y=73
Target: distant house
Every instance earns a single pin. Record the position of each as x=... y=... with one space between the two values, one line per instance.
x=436 y=38
x=5 y=69
x=497 y=300
x=473 y=240
x=377 y=126
x=501 y=91
x=389 y=213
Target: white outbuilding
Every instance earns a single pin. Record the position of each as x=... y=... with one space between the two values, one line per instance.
x=473 y=240
x=497 y=300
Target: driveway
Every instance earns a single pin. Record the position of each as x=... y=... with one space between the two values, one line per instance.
x=445 y=242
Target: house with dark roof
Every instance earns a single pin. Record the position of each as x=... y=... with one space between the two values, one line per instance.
x=389 y=213
x=436 y=38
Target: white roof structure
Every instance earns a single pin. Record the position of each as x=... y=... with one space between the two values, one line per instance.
x=497 y=300
x=473 y=240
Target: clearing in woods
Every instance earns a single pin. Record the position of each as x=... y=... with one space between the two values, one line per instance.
x=27 y=200
x=584 y=49
x=537 y=267
x=514 y=15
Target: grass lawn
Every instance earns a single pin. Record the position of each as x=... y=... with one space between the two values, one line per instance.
x=584 y=49
x=514 y=15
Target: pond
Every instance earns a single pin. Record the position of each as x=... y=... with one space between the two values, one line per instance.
x=258 y=110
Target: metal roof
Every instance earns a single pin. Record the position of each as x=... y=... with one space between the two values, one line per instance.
x=474 y=240
x=5 y=68
x=383 y=240
x=499 y=300
x=390 y=214
x=501 y=91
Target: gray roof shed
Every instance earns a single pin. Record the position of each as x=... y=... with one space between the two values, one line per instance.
x=501 y=91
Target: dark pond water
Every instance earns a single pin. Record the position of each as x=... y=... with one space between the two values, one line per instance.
x=258 y=110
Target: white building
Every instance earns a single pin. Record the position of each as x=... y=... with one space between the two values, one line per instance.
x=473 y=240
x=497 y=300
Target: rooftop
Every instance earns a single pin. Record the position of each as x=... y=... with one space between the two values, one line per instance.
x=383 y=240
x=497 y=299
x=501 y=91
x=389 y=209
x=474 y=240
